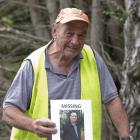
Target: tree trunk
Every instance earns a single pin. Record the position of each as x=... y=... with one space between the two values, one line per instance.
x=130 y=90
x=53 y=9
x=82 y=4
x=97 y=27
x=37 y=20
x=65 y=4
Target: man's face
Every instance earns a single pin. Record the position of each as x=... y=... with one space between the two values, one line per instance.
x=70 y=37
x=73 y=117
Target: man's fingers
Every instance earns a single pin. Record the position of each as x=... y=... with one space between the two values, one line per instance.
x=45 y=122
x=45 y=131
x=44 y=127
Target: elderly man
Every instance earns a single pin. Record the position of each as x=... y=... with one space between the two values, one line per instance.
x=66 y=68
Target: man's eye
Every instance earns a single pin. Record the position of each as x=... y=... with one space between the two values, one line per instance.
x=69 y=34
x=82 y=35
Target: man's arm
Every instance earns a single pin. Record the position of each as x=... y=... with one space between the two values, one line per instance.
x=118 y=116
x=15 y=117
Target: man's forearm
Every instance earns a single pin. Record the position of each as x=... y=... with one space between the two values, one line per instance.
x=17 y=118
x=43 y=127
x=118 y=117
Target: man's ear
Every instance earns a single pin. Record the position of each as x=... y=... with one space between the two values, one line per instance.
x=54 y=31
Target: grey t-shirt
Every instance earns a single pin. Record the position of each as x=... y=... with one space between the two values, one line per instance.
x=60 y=86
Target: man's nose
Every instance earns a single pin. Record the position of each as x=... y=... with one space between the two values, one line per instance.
x=75 y=39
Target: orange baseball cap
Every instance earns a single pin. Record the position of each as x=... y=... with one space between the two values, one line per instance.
x=71 y=14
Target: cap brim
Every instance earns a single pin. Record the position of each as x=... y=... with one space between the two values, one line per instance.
x=69 y=19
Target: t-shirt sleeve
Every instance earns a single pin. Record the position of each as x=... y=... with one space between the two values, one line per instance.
x=108 y=87
x=19 y=93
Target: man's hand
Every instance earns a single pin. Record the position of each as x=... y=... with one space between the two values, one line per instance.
x=43 y=127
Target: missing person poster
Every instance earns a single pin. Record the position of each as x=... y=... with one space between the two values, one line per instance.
x=73 y=119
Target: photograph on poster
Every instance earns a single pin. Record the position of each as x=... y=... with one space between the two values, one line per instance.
x=73 y=119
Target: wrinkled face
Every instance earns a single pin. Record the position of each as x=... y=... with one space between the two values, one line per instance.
x=73 y=117
x=70 y=37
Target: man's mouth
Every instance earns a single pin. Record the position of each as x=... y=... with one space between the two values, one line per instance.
x=73 y=47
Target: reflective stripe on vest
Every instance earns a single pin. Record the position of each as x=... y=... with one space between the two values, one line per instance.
x=90 y=89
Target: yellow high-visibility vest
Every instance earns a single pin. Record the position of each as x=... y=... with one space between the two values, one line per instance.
x=90 y=89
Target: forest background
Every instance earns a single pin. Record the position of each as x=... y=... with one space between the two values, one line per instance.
x=114 y=32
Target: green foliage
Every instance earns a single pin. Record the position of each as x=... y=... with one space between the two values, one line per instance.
x=117 y=13
x=4 y=130
x=15 y=16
